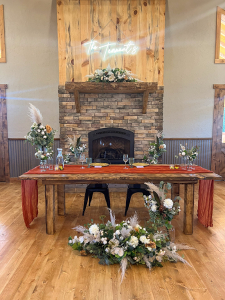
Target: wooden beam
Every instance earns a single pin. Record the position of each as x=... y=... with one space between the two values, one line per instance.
x=2 y=36
x=114 y=87
x=50 y=208
x=145 y=101
x=77 y=100
x=61 y=199
x=188 y=208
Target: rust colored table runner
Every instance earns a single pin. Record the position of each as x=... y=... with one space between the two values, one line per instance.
x=30 y=187
x=114 y=169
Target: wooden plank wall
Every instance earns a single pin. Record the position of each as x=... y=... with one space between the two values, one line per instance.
x=218 y=148
x=142 y=21
x=4 y=152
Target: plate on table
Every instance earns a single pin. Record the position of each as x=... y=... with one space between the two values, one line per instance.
x=140 y=165
x=99 y=165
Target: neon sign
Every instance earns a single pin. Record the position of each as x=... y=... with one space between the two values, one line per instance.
x=109 y=49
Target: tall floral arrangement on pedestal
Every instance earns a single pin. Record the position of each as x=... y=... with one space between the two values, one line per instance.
x=42 y=137
x=156 y=149
x=75 y=145
x=188 y=154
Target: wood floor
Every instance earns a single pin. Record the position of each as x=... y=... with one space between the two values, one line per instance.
x=34 y=265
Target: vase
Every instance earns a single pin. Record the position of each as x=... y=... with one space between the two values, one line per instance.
x=184 y=163
x=42 y=165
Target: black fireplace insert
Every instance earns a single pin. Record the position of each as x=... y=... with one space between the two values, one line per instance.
x=110 y=144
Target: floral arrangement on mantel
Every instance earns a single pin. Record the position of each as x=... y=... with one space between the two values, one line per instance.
x=42 y=137
x=111 y=75
x=190 y=154
x=128 y=243
x=157 y=148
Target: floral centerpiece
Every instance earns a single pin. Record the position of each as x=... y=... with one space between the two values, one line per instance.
x=111 y=75
x=128 y=243
x=157 y=148
x=75 y=145
x=42 y=137
x=161 y=209
x=190 y=154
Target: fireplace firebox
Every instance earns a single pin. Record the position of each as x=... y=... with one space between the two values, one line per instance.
x=110 y=144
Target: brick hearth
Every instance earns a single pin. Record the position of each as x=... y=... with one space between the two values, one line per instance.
x=111 y=110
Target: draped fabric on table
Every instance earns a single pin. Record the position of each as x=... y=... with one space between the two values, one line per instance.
x=205 y=202
x=29 y=200
x=30 y=188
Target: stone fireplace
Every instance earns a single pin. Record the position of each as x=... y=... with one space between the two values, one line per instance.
x=111 y=111
x=111 y=144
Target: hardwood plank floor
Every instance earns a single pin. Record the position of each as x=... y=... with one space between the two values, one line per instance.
x=34 y=265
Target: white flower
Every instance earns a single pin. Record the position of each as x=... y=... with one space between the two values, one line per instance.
x=117 y=232
x=104 y=240
x=149 y=248
x=111 y=77
x=107 y=250
x=94 y=229
x=38 y=130
x=144 y=240
x=45 y=137
x=81 y=239
x=183 y=154
x=42 y=156
x=154 y=208
x=42 y=132
x=182 y=147
x=158 y=258
x=70 y=242
x=168 y=203
x=133 y=241
x=108 y=68
x=164 y=146
x=162 y=252
x=120 y=252
x=99 y=72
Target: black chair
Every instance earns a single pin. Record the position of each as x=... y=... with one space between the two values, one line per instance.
x=132 y=189
x=100 y=188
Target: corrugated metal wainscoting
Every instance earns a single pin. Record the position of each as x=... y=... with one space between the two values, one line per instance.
x=173 y=148
x=21 y=156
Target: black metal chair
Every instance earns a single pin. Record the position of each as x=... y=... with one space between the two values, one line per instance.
x=100 y=188
x=132 y=189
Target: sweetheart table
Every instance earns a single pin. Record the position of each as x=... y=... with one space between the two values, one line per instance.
x=73 y=174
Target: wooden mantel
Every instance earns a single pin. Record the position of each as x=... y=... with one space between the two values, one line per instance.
x=108 y=88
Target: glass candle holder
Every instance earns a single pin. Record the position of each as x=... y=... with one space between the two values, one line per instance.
x=131 y=162
x=89 y=161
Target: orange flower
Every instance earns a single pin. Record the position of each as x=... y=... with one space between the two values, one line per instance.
x=161 y=146
x=48 y=128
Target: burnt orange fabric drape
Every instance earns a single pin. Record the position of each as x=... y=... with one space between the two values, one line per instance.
x=29 y=200
x=205 y=202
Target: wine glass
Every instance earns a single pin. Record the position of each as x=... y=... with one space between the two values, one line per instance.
x=82 y=159
x=125 y=159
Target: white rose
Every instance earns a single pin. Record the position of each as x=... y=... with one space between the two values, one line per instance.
x=117 y=232
x=38 y=130
x=81 y=239
x=164 y=146
x=154 y=208
x=70 y=242
x=182 y=148
x=45 y=137
x=144 y=240
x=183 y=153
x=94 y=229
x=121 y=252
x=168 y=203
x=42 y=132
x=111 y=77
x=133 y=241
x=158 y=258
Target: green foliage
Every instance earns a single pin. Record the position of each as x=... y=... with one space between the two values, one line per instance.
x=155 y=150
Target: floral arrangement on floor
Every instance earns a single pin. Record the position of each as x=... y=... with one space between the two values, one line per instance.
x=156 y=149
x=128 y=243
x=190 y=154
x=111 y=75
x=39 y=135
x=161 y=209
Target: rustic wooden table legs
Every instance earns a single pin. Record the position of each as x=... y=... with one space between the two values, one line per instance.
x=188 y=207
x=61 y=199
x=50 y=208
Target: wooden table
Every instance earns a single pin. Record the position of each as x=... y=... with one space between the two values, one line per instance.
x=59 y=180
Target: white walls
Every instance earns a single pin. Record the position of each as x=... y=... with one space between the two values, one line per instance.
x=31 y=70
x=190 y=71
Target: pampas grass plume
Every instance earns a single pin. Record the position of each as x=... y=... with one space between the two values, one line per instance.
x=35 y=114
